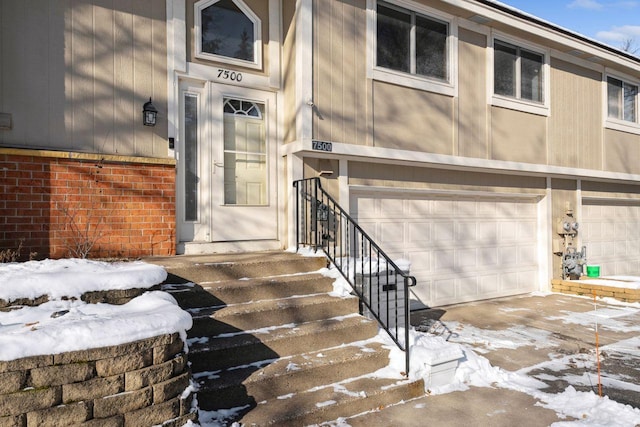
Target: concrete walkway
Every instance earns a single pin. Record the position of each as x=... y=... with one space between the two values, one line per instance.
x=550 y=338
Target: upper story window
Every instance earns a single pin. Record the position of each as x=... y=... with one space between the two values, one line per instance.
x=411 y=47
x=622 y=104
x=517 y=72
x=228 y=31
x=411 y=43
x=622 y=100
x=520 y=77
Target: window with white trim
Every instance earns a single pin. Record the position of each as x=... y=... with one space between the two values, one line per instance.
x=228 y=31
x=410 y=42
x=412 y=45
x=517 y=72
x=622 y=100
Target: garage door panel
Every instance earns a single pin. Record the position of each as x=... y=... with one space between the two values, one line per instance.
x=527 y=255
x=507 y=255
x=468 y=286
x=467 y=231
x=460 y=249
x=421 y=261
x=465 y=259
x=443 y=208
x=391 y=232
x=509 y=282
x=444 y=261
x=488 y=257
x=443 y=231
x=417 y=208
x=508 y=231
x=489 y=284
x=445 y=289
x=419 y=233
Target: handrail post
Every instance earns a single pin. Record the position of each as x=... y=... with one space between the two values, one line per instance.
x=407 y=322
x=297 y=195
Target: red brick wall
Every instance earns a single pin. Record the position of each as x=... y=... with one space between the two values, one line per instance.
x=59 y=206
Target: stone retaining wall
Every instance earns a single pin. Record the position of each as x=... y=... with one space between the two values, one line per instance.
x=577 y=287
x=136 y=384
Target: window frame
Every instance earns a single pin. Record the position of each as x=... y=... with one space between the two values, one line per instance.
x=613 y=122
x=257 y=42
x=447 y=87
x=518 y=103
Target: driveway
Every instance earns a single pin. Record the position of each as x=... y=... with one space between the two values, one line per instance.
x=553 y=339
x=549 y=339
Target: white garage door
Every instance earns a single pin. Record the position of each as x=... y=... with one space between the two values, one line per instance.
x=461 y=249
x=611 y=234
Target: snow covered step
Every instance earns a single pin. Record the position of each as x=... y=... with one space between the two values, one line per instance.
x=260 y=314
x=244 y=347
x=246 y=385
x=237 y=291
x=332 y=402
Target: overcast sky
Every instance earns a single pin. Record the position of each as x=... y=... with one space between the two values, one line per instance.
x=608 y=21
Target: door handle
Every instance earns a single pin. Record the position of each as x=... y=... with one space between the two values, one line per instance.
x=217 y=164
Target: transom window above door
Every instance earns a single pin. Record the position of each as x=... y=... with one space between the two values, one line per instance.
x=228 y=31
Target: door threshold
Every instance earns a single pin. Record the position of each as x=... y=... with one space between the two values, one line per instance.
x=203 y=248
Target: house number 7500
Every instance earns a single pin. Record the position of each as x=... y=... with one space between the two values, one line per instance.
x=229 y=75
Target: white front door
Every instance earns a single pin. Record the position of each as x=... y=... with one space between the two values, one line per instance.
x=227 y=164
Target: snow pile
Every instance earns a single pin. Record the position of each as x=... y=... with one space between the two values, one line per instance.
x=73 y=277
x=61 y=326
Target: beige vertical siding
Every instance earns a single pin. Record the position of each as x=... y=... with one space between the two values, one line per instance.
x=373 y=174
x=622 y=151
x=411 y=119
x=518 y=136
x=472 y=102
x=76 y=73
x=313 y=167
x=289 y=68
x=610 y=190
x=563 y=195
x=259 y=7
x=339 y=71
x=575 y=124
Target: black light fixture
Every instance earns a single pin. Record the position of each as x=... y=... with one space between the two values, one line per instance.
x=149 y=113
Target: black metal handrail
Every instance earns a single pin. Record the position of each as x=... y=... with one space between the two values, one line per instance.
x=381 y=286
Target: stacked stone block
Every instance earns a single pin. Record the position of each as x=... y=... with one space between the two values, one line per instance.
x=577 y=287
x=141 y=383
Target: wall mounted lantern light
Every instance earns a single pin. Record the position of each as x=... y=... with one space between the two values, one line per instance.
x=149 y=113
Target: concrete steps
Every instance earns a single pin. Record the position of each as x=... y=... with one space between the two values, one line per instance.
x=294 y=374
x=269 y=338
x=213 y=321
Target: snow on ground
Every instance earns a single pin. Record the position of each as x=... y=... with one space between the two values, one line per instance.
x=67 y=325
x=73 y=277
